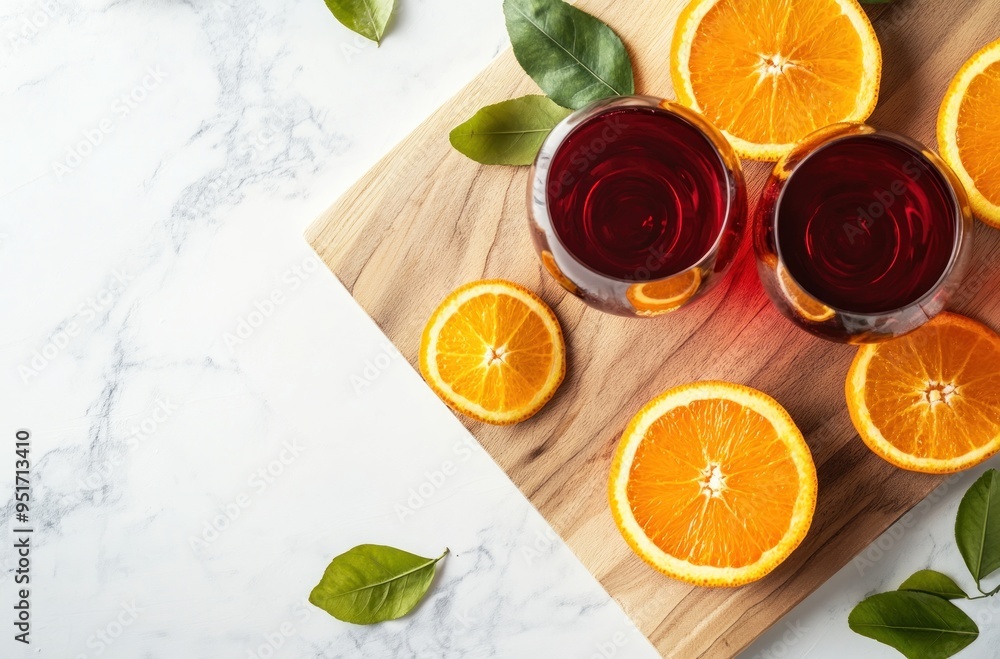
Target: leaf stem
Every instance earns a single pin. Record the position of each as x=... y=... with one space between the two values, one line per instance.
x=984 y=593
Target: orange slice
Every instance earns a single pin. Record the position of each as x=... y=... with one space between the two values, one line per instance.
x=769 y=72
x=713 y=484
x=550 y=265
x=807 y=306
x=969 y=131
x=665 y=295
x=493 y=351
x=930 y=401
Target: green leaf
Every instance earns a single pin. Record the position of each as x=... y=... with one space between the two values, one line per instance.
x=373 y=583
x=574 y=58
x=366 y=17
x=977 y=528
x=508 y=133
x=919 y=625
x=933 y=583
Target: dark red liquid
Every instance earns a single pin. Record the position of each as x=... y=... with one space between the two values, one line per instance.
x=866 y=225
x=637 y=193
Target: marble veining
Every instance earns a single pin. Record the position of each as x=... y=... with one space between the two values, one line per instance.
x=213 y=418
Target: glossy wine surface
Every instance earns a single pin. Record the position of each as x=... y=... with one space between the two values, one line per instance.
x=637 y=193
x=866 y=225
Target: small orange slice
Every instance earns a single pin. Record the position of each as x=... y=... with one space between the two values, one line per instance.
x=665 y=295
x=493 y=351
x=930 y=400
x=713 y=484
x=550 y=265
x=807 y=306
x=769 y=72
x=969 y=131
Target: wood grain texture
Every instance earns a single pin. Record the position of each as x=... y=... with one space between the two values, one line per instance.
x=426 y=220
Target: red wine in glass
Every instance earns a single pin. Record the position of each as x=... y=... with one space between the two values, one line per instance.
x=862 y=235
x=636 y=205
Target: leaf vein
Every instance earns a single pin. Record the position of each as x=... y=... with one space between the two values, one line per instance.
x=565 y=50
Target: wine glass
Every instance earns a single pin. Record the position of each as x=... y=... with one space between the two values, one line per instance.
x=862 y=234
x=636 y=205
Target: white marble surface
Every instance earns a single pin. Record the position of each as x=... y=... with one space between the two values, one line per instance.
x=180 y=356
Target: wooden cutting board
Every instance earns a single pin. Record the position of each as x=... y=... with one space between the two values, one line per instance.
x=425 y=220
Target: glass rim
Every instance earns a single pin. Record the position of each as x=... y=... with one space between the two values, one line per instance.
x=716 y=140
x=932 y=160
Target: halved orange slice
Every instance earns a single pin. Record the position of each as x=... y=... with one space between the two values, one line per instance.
x=769 y=72
x=550 y=265
x=493 y=351
x=713 y=484
x=665 y=295
x=807 y=306
x=930 y=400
x=969 y=131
